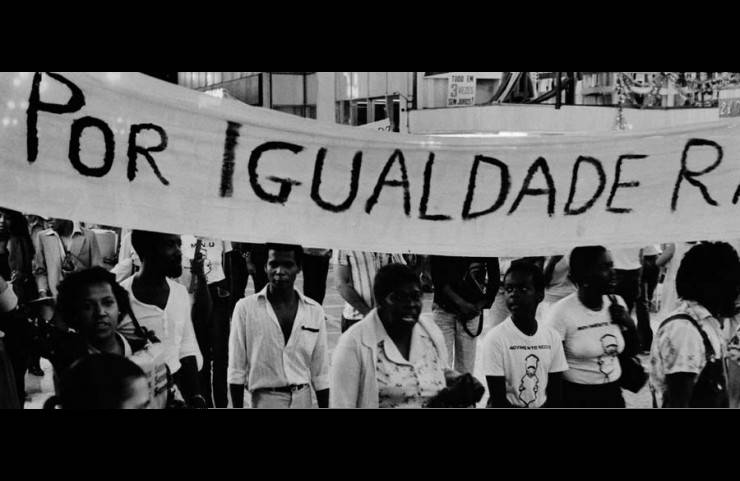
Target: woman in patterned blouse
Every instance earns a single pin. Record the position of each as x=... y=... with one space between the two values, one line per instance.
x=392 y=358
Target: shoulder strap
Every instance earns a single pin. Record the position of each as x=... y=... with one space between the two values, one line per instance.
x=708 y=349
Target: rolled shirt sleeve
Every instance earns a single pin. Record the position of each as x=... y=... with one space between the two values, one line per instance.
x=189 y=344
x=320 y=358
x=185 y=341
x=681 y=348
x=238 y=367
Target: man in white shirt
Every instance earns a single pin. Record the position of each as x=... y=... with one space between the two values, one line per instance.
x=278 y=341
x=162 y=305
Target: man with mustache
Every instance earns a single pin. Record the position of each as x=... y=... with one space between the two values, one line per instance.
x=163 y=306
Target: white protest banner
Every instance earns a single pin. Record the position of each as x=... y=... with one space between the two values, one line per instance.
x=125 y=149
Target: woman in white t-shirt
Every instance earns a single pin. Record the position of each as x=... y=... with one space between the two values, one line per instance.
x=594 y=327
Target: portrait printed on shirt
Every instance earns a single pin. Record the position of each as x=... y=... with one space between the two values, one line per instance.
x=212 y=251
x=529 y=385
x=608 y=360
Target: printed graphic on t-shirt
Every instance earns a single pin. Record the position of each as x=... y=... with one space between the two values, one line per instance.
x=529 y=385
x=607 y=361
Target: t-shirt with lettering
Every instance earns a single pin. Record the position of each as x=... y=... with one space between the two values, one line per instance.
x=592 y=342
x=212 y=251
x=524 y=361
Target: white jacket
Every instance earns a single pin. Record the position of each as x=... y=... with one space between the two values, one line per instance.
x=352 y=379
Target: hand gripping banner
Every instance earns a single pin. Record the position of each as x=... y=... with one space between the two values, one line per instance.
x=126 y=149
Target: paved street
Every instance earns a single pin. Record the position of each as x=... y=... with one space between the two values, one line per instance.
x=41 y=388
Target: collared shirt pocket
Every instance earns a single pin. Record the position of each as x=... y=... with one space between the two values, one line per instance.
x=307 y=336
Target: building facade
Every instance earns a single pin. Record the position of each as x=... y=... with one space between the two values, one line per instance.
x=423 y=103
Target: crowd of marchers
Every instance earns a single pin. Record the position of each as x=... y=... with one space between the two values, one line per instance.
x=139 y=319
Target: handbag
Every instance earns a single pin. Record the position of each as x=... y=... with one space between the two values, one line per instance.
x=472 y=290
x=633 y=376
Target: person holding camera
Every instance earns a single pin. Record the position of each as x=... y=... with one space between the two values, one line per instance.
x=393 y=359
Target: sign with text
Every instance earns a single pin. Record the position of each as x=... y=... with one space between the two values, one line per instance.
x=461 y=90
x=729 y=102
x=125 y=149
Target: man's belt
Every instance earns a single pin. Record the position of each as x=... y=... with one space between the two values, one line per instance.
x=286 y=389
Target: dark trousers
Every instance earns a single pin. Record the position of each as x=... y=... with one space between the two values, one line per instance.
x=592 y=395
x=213 y=341
x=223 y=307
x=315 y=269
x=650 y=274
x=629 y=288
x=18 y=341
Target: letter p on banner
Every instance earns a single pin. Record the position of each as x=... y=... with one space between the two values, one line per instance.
x=35 y=105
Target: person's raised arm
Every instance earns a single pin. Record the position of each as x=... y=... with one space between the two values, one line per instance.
x=550 y=268
x=494 y=281
x=666 y=255
x=347 y=290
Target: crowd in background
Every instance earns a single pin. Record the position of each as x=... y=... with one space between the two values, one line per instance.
x=135 y=319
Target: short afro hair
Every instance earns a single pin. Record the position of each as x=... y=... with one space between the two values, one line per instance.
x=707 y=263
x=71 y=288
x=390 y=278
x=526 y=267
x=144 y=242
x=582 y=261
x=296 y=249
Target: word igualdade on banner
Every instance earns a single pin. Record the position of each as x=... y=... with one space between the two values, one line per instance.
x=540 y=166
x=507 y=188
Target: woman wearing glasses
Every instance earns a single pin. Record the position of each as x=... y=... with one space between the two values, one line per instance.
x=392 y=359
